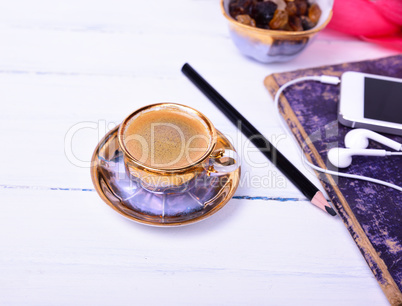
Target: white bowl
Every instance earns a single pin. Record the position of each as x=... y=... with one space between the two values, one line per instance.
x=268 y=46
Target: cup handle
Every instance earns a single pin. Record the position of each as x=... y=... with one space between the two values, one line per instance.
x=223 y=162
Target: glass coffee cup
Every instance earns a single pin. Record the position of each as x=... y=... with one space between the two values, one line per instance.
x=168 y=148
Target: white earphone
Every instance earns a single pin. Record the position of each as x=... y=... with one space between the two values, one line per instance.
x=359 y=139
x=356 y=142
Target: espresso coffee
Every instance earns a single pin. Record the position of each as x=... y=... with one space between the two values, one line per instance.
x=166 y=138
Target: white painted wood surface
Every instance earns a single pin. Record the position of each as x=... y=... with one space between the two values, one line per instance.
x=65 y=63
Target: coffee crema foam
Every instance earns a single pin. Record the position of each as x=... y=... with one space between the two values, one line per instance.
x=166 y=139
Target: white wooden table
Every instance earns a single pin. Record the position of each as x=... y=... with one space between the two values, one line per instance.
x=79 y=62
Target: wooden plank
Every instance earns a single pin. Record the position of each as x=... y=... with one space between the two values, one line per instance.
x=69 y=247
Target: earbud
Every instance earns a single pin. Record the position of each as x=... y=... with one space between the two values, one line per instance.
x=356 y=142
x=359 y=139
x=342 y=157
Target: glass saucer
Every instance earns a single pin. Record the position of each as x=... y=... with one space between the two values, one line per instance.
x=126 y=196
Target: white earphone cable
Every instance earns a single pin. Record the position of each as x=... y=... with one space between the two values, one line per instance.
x=333 y=81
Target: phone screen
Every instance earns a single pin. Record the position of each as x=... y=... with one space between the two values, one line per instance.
x=382 y=100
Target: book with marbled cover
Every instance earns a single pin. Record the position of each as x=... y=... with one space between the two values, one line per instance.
x=372 y=213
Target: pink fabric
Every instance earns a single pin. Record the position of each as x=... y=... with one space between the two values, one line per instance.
x=375 y=21
x=390 y=9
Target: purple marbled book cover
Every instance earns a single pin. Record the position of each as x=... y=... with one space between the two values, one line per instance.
x=372 y=213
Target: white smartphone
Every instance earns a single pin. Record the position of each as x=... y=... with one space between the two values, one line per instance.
x=371 y=101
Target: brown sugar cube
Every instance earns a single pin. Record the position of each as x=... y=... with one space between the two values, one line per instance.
x=279 y=20
x=302 y=6
x=291 y=8
x=239 y=7
x=306 y=23
x=314 y=13
x=295 y=23
x=245 y=19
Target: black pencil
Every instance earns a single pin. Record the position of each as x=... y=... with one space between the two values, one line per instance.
x=281 y=162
